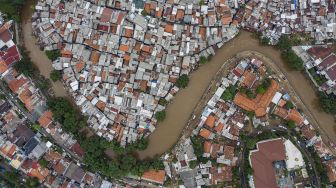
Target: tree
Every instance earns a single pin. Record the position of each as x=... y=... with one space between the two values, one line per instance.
x=291 y=124
x=264 y=40
x=12 y=177
x=201 y=2
x=289 y=105
x=327 y=102
x=31 y=183
x=229 y=93
x=198 y=146
x=43 y=162
x=127 y=163
x=284 y=43
x=293 y=61
x=11 y=8
x=160 y=115
x=25 y=65
x=55 y=75
x=192 y=164
x=203 y=60
x=53 y=54
x=262 y=88
x=182 y=81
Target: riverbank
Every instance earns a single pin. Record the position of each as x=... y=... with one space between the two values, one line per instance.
x=179 y=111
x=38 y=57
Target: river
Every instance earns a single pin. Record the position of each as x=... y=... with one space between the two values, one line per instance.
x=38 y=56
x=178 y=112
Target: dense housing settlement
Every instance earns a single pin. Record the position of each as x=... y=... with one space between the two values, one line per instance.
x=251 y=110
x=120 y=58
x=122 y=61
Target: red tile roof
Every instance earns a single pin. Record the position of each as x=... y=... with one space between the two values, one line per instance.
x=10 y=56
x=320 y=52
x=262 y=161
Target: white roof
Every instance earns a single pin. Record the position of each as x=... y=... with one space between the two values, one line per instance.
x=276 y=98
x=219 y=92
x=294 y=157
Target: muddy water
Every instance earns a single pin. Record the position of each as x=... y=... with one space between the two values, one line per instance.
x=179 y=111
x=37 y=56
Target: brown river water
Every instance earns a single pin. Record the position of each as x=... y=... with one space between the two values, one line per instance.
x=179 y=111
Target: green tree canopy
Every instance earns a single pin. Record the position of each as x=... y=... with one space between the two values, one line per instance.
x=160 y=115
x=182 y=81
x=292 y=60
x=55 y=75
x=53 y=54
x=327 y=102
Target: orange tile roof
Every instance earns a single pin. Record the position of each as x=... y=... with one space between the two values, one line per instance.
x=3 y=67
x=158 y=13
x=260 y=103
x=249 y=79
x=66 y=53
x=207 y=147
x=123 y=47
x=45 y=119
x=15 y=84
x=179 y=14
x=147 y=48
x=211 y=120
x=168 y=28
x=128 y=32
x=80 y=65
x=205 y=133
x=40 y=173
x=95 y=55
x=295 y=116
x=281 y=112
x=53 y=156
x=156 y=176
x=219 y=128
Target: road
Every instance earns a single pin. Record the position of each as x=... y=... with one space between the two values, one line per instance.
x=12 y=100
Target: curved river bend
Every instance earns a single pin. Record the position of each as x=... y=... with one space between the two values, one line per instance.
x=179 y=111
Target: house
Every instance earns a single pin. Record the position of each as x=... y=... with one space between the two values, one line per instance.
x=331 y=170
x=259 y=104
x=220 y=174
x=9 y=53
x=154 y=176
x=261 y=161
